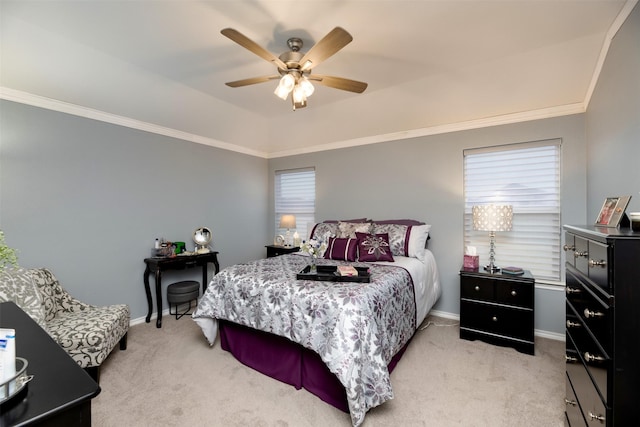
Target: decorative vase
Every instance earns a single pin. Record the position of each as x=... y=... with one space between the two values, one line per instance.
x=313 y=267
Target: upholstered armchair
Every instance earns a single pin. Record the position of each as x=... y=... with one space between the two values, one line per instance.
x=88 y=333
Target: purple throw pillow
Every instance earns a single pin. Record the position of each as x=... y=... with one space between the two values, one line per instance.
x=341 y=249
x=373 y=248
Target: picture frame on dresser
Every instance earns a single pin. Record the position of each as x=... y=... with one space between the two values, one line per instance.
x=612 y=211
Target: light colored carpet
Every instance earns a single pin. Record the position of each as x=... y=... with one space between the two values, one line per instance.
x=171 y=377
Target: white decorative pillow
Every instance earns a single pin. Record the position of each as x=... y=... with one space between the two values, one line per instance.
x=418 y=236
x=17 y=285
x=348 y=230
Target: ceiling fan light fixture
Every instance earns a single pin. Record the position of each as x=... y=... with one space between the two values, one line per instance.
x=306 y=86
x=299 y=96
x=281 y=92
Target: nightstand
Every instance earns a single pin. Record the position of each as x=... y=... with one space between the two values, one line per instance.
x=498 y=308
x=275 y=250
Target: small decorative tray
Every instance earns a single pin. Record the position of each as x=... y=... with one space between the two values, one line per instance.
x=329 y=273
x=14 y=385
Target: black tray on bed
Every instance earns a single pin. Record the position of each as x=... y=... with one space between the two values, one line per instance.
x=329 y=273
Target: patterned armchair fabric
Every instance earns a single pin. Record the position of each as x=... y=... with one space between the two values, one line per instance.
x=86 y=332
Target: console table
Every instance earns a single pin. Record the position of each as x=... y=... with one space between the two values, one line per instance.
x=157 y=265
x=60 y=392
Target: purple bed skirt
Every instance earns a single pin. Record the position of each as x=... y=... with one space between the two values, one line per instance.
x=287 y=361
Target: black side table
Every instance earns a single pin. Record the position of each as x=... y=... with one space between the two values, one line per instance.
x=275 y=250
x=498 y=308
x=180 y=262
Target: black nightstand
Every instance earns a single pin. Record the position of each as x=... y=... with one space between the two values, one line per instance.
x=498 y=308
x=275 y=250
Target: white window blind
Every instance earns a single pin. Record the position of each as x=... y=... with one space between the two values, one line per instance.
x=295 y=193
x=526 y=176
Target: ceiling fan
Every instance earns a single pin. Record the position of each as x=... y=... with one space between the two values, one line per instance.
x=294 y=66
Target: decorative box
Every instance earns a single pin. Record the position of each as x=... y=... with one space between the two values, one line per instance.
x=471 y=261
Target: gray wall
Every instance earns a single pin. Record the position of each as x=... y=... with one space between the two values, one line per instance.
x=87 y=200
x=613 y=122
x=422 y=178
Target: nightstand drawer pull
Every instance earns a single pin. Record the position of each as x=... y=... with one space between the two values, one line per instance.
x=578 y=254
x=593 y=263
x=570 y=402
x=494 y=318
x=569 y=359
x=570 y=291
x=589 y=313
x=593 y=358
x=571 y=324
x=514 y=293
x=593 y=417
x=568 y=248
x=477 y=288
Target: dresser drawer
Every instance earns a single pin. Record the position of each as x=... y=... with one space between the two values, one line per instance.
x=477 y=288
x=590 y=258
x=572 y=406
x=496 y=319
x=515 y=293
x=590 y=402
x=590 y=307
x=595 y=361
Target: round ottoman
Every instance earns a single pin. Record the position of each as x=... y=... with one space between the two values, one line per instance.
x=182 y=292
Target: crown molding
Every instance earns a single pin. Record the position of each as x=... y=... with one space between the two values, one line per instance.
x=89 y=113
x=525 y=116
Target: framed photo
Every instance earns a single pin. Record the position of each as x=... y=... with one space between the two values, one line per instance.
x=612 y=211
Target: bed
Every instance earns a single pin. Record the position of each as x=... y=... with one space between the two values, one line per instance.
x=338 y=340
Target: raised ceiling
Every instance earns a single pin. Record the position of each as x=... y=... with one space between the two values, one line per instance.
x=431 y=65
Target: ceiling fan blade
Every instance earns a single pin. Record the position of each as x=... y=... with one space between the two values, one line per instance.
x=339 y=83
x=329 y=45
x=251 y=81
x=254 y=47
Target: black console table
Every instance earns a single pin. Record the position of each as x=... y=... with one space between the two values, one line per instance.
x=159 y=264
x=60 y=392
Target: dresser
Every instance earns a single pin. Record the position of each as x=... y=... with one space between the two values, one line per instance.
x=498 y=308
x=602 y=326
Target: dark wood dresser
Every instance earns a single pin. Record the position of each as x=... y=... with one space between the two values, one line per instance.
x=498 y=308
x=602 y=326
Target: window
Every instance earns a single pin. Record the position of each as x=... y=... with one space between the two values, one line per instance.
x=295 y=193
x=526 y=176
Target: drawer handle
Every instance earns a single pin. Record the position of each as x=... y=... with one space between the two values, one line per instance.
x=589 y=313
x=570 y=291
x=569 y=359
x=568 y=248
x=494 y=318
x=570 y=402
x=578 y=254
x=477 y=288
x=514 y=293
x=594 y=417
x=593 y=358
x=593 y=263
x=571 y=324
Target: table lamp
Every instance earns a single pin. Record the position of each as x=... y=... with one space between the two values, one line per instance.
x=288 y=222
x=492 y=218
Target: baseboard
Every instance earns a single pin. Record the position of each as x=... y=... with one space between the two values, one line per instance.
x=139 y=320
x=445 y=315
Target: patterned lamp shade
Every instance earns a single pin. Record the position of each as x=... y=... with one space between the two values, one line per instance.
x=492 y=217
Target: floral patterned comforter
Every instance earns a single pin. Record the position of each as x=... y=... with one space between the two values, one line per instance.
x=356 y=328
